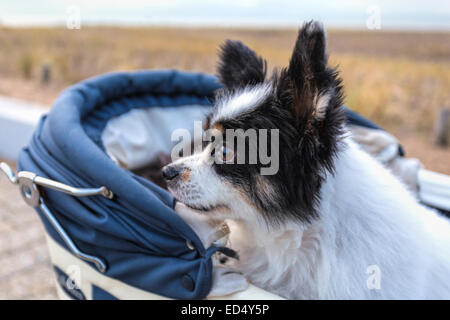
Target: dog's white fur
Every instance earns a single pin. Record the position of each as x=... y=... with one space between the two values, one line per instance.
x=367 y=218
x=240 y=102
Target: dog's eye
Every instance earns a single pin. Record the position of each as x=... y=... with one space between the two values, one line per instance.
x=224 y=154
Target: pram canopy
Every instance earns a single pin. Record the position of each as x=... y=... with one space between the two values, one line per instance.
x=137 y=233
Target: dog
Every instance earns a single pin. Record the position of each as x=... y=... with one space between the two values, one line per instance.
x=332 y=222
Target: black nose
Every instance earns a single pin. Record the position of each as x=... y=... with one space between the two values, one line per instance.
x=170 y=172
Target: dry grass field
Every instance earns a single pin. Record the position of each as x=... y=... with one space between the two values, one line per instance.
x=398 y=79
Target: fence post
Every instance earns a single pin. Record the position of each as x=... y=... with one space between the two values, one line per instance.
x=46 y=73
x=442 y=128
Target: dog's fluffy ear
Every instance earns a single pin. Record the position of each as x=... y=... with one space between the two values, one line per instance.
x=309 y=85
x=239 y=66
x=312 y=92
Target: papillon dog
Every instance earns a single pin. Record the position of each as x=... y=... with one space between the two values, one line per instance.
x=330 y=222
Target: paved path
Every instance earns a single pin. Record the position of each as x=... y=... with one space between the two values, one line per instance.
x=18 y=120
x=25 y=270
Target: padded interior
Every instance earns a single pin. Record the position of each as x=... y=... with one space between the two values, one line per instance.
x=136 y=138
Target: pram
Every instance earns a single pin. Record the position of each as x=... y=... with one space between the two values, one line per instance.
x=111 y=233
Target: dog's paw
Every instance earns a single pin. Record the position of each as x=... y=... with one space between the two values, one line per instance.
x=227 y=281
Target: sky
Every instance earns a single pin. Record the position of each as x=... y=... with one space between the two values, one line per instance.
x=378 y=14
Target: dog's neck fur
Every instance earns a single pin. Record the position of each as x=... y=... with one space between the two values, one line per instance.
x=366 y=218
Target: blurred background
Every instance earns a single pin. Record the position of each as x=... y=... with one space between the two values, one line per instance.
x=394 y=58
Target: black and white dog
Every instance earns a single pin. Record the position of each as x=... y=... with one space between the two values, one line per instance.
x=331 y=223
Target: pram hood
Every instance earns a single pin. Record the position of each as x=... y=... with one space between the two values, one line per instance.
x=138 y=234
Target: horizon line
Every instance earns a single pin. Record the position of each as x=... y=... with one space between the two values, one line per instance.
x=224 y=25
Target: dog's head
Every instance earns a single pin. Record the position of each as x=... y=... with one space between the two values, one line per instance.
x=273 y=140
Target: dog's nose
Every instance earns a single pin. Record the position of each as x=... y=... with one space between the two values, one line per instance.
x=170 y=172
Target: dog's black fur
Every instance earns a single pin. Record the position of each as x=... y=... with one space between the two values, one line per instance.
x=308 y=144
x=239 y=66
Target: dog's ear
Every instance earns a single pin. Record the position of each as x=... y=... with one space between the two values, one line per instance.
x=239 y=66
x=312 y=92
x=309 y=86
